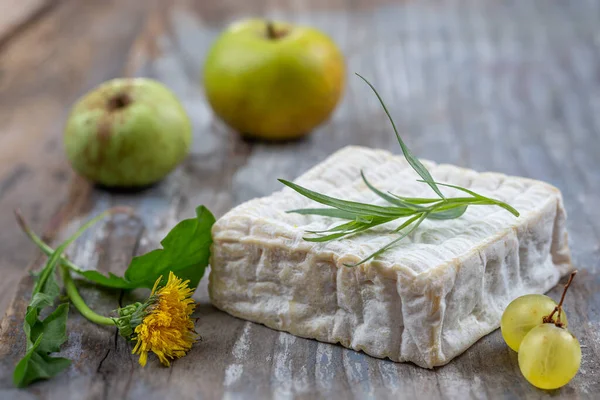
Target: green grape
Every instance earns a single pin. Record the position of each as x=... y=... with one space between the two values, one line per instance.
x=549 y=357
x=525 y=313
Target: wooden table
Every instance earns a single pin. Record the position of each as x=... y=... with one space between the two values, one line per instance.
x=508 y=86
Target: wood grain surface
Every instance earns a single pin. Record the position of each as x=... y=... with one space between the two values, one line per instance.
x=500 y=86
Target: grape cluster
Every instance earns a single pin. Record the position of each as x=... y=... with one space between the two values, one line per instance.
x=535 y=326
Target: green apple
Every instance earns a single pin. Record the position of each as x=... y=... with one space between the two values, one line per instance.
x=127 y=132
x=273 y=80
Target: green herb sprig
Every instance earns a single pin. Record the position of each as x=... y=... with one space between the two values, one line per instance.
x=363 y=216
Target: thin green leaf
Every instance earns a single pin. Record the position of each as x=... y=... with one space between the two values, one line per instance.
x=358 y=229
x=453 y=200
x=448 y=205
x=451 y=213
x=338 y=228
x=407 y=223
x=367 y=219
x=325 y=238
x=498 y=203
x=389 y=198
x=393 y=242
x=450 y=202
x=337 y=232
x=412 y=160
x=350 y=206
x=325 y=212
x=415 y=200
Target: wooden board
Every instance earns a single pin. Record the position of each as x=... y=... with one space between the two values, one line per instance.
x=495 y=86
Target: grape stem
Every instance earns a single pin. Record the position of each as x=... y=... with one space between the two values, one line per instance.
x=549 y=318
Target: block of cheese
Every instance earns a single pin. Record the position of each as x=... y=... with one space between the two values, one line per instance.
x=427 y=299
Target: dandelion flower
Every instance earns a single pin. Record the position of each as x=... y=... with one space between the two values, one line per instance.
x=166 y=329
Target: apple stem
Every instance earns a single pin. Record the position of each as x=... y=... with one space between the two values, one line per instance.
x=271 y=32
x=120 y=100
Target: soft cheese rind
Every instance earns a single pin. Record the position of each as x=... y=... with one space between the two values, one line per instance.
x=427 y=299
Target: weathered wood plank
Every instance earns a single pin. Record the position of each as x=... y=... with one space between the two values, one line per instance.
x=503 y=86
x=18 y=14
x=42 y=72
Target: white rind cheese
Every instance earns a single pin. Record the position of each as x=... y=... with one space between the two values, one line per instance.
x=427 y=299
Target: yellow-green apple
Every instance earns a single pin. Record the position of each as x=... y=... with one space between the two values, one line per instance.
x=273 y=80
x=127 y=132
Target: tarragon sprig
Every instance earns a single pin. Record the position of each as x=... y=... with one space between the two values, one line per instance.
x=362 y=216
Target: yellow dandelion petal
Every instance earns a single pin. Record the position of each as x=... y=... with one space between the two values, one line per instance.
x=155 y=285
x=167 y=330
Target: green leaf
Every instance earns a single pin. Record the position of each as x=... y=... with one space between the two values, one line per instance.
x=408 y=222
x=36 y=365
x=347 y=229
x=393 y=242
x=53 y=327
x=389 y=198
x=451 y=213
x=349 y=206
x=54 y=330
x=112 y=280
x=412 y=160
x=498 y=203
x=185 y=252
x=325 y=212
x=338 y=228
x=327 y=238
x=415 y=200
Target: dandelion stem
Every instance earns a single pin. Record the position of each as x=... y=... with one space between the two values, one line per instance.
x=43 y=246
x=79 y=303
x=46 y=249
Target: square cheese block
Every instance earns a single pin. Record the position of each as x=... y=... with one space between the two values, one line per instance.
x=427 y=299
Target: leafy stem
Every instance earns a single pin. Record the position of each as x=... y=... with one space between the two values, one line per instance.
x=46 y=336
x=79 y=303
x=185 y=251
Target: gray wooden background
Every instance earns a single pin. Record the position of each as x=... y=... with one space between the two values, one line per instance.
x=508 y=86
